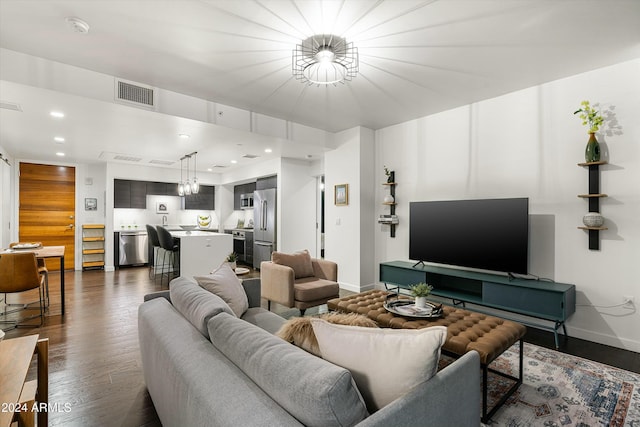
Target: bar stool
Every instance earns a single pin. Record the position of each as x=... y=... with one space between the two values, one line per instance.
x=168 y=243
x=153 y=242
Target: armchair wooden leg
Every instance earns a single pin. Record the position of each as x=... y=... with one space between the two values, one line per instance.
x=269 y=305
x=302 y=310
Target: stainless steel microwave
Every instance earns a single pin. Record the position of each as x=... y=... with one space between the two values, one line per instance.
x=246 y=201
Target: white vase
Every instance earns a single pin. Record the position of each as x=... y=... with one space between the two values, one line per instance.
x=421 y=302
x=388 y=198
x=593 y=219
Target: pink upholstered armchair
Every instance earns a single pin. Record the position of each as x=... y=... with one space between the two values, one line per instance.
x=297 y=280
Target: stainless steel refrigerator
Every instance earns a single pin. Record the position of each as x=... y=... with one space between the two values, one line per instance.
x=264 y=225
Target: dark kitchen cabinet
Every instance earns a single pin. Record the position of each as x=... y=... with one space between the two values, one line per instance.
x=162 y=189
x=157 y=188
x=129 y=194
x=267 y=182
x=248 y=188
x=203 y=201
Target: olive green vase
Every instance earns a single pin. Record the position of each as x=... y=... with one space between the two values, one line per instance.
x=592 y=152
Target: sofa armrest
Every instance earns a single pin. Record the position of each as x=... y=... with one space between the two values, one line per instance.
x=277 y=283
x=323 y=269
x=252 y=289
x=450 y=398
x=159 y=294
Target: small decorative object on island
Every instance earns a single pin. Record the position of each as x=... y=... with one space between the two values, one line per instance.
x=593 y=219
x=231 y=260
x=591 y=117
x=421 y=291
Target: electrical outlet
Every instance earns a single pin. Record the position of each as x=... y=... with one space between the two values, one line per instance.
x=628 y=300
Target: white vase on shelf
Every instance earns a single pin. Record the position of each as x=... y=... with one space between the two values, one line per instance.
x=388 y=198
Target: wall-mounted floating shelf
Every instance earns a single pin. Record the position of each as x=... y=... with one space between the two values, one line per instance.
x=390 y=219
x=593 y=197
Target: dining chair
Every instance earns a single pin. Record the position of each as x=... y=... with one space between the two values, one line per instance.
x=42 y=270
x=170 y=246
x=19 y=273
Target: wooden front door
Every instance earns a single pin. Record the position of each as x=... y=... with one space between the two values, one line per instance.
x=47 y=208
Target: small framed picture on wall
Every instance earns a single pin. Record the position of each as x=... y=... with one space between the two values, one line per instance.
x=90 y=204
x=162 y=208
x=341 y=194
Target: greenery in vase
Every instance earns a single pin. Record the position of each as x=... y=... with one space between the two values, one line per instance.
x=232 y=257
x=420 y=290
x=590 y=116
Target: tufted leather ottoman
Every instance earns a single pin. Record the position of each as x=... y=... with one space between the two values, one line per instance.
x=490 y=336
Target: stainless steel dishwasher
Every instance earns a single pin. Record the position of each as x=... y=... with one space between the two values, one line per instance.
x=132 y=248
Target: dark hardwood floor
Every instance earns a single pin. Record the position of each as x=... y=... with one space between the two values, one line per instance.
x=94 y=359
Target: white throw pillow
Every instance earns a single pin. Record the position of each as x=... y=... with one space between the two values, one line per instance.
x=385 y=363
x=224 y=283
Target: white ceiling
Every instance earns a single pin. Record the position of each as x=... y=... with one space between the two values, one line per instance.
x=417 y=57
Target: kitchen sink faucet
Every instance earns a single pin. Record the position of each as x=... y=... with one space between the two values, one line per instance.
x=164 y=220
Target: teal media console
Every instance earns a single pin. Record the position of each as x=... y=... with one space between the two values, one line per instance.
x=533 y=298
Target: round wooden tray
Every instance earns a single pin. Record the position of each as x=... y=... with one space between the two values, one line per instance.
x=241 y=270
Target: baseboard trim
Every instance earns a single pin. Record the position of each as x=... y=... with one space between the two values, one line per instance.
x=356 y=288
x=606 y=339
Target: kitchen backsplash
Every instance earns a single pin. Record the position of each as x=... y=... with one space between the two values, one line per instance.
x=125 y=219
x=246 y=216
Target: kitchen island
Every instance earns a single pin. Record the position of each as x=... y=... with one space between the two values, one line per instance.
x=201 y=252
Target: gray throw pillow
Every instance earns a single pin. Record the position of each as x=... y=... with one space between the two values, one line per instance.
x=224 y=283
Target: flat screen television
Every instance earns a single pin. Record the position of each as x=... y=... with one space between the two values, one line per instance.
x=487 y=234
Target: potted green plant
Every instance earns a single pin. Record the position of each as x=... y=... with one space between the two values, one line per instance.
x=593 y=119
x=232 y=259
x=389 y=174
x=420 y=291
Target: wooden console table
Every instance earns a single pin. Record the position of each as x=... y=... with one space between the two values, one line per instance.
x=538 y=299
x=15 y=358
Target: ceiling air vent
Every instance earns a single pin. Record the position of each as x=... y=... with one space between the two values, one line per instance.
x=126 y=158
x=134 y=93
x=250 y=156
x=10 y=106
x=219 y=166
x=161 y=162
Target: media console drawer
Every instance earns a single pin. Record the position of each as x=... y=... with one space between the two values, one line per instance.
x=542 y=303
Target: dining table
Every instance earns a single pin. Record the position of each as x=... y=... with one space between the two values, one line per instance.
x=46 y=252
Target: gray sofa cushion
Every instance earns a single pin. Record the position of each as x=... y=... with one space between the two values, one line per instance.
x=197 y=305
x=264 y=319
x=314 y=391
x=193 y=384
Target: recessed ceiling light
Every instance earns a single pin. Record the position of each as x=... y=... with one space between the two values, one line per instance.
x=60 y=154
x=58 y=139
x=234 y=161
x=209 y=170
x=57 y=114
x=268 y=150
x=183 y=136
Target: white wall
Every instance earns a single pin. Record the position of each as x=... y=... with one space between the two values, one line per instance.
x=348 y=228
x=7 y=221
x=528 y=144
x=297 y=207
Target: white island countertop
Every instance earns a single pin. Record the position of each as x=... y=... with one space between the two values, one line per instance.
x=201 y=252
x=194 y=233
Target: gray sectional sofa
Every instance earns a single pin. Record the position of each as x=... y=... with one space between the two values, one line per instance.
x=205 y=367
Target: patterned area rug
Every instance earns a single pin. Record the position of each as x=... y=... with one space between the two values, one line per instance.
x=564 y=390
